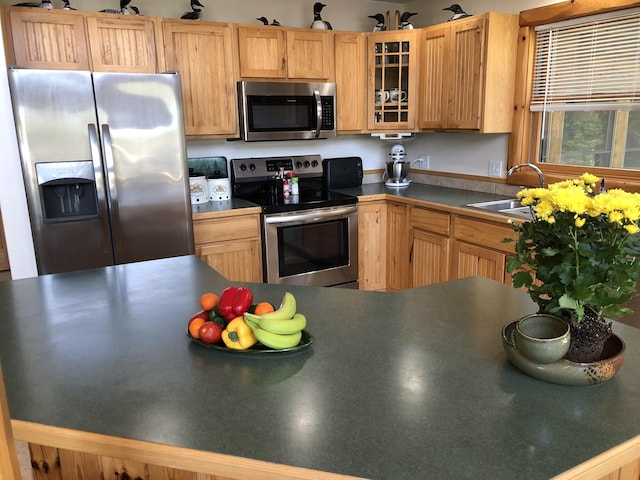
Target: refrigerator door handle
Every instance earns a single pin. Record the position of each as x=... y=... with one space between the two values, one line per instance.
x=94 y=147
x=112 y=192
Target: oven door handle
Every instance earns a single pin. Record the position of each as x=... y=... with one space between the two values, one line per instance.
x=316 y=95
x=311 y=216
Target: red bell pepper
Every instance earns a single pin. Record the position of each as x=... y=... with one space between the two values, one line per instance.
x=234 y=301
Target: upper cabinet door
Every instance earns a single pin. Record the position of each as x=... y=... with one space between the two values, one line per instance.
x=466 y=73
x=122 y=43
x=204 y=55
x=434 y=73
x=392 y=95
x=262 y=52
x=309 y=54
x=46 y=39
x=350 y=54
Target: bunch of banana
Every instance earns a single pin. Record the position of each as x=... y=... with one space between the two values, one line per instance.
x=281 y=328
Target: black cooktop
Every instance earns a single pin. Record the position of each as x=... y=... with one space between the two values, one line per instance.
x=257 y=180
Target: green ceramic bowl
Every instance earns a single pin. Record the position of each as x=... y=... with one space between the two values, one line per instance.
x=543 y=338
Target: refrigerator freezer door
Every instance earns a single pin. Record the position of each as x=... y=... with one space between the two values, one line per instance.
x=142 y=136
x=52 y=111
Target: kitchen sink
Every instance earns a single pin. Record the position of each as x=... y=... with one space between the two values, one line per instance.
x=511 y=206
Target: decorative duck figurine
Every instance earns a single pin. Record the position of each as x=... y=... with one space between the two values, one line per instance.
x=124 y=10
x=318 y=22
x=458 y=12
x=404 y=21
x=380 y=26
x=44 y=4
x=67 y=5
x=265 y=21
x=195 y=13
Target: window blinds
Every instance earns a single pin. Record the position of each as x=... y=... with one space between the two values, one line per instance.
x=589 y=64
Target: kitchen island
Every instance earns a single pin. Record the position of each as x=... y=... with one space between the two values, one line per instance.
x=406 y=385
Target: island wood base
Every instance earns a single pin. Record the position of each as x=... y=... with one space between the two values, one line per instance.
x=63 y=454
x=619 y=463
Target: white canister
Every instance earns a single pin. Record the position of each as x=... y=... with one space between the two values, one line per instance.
x=199 y=189
x=219 y=189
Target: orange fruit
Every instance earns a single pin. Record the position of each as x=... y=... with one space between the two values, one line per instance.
x=194 y=327
x=209 y=301
x=264 y=307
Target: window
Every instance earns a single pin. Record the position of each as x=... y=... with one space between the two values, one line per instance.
x=585 y=97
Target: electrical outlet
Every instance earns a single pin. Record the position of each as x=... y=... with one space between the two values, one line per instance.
x=423 y=162
x=495 y=168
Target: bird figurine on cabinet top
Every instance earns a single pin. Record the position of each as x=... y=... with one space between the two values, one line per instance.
x=404 y=21
x=195 y=13
x=67 y=5
x=124 y=8
x=44 y=4
x=380 y=26
x=458 y=12
x=136 y=10
x=265 y=21
x=318 y=22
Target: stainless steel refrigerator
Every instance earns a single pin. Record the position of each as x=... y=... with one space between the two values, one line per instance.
x=105 y=166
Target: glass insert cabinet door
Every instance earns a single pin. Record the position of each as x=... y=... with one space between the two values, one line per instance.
x=391 y=84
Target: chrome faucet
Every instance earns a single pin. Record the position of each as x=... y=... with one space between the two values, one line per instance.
x=533 y=167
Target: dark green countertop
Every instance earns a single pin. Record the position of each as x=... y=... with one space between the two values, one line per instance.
x=416 y=191
x=406 y=385
x=453 y=197
x=221 y=206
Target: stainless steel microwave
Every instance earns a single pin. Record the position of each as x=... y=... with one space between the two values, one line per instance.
x=286 y=111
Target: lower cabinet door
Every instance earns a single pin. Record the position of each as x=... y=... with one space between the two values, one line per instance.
x=429 y=258
x=238 y=261
x=470 y=260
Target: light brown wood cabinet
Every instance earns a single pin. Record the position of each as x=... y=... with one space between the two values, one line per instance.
x=430 y=246
x=408 y=244
x=372 y=245
x=204 y=55
x=230 y=242
x=285 y=53
x=478 y=248
x=69 y=40
x=392 y=87
x=121 y=43
x=39 y=38
x=397 y=247
x=467 y=74
x=350 y=58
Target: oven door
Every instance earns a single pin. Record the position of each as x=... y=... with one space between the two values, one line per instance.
x=317 y=247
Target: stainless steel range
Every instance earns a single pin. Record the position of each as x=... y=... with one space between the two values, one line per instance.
x=309 y=238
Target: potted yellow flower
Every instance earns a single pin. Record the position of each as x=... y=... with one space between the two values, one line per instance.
x=579 y=257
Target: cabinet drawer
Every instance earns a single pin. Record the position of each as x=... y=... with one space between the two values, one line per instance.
x=483 y=233
x=209 y=231
x=430 y=220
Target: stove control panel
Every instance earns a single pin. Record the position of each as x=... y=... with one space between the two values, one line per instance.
x=262 y=168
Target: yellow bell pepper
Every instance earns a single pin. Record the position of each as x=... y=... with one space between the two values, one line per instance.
x=238 y=335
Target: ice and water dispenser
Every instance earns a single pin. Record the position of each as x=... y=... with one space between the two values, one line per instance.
x=67 y=191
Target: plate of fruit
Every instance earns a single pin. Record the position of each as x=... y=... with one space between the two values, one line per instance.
x=231 y=322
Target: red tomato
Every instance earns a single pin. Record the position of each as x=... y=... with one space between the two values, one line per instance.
x=210 y=332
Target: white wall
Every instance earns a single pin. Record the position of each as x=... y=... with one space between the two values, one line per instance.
x=453 y=153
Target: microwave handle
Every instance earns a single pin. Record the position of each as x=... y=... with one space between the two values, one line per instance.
x=316 y=95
